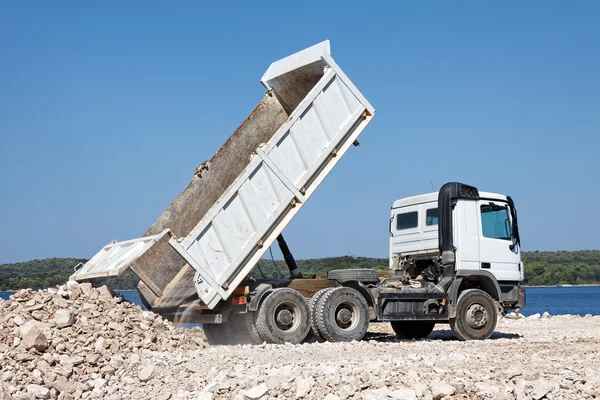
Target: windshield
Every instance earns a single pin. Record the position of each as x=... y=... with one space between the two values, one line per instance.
x=495 y=222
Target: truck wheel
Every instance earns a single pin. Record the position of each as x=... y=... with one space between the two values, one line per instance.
x=283 y=317
x=238 y=331
x=313 y=314
x=250 y=321
x=342 y=315
x=476 y=316
x=412 y=329
x=215 y=334
x=360 y=275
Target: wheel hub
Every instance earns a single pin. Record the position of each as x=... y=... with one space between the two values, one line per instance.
x=477 y=316
x=344 y=316
x=285 y=317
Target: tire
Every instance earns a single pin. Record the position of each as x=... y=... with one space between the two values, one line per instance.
x=313 y=315
x=342 y=315
x=412 y=329
x=215 y=334
x=250 y=322
x=476 y=316
x=360 y=275
x=237 y=330
x=283 y=317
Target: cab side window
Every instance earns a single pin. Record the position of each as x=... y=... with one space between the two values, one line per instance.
x=431 y=217
x=407 y=220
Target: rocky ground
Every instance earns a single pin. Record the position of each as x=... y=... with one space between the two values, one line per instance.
x=80 y=342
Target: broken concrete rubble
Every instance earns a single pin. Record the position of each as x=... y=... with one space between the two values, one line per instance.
x=115 y=350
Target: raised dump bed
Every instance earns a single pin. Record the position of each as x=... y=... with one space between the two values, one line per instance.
x=209 y=239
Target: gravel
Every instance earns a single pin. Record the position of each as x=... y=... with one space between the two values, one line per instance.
x=114 y=350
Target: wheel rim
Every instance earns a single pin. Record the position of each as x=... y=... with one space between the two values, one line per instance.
x=347 y=315
x=287 y=316
x=477 y=316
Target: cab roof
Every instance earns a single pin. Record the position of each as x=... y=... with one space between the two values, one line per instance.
x=432 y=197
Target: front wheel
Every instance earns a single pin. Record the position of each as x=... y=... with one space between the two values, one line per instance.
x=412 y=329
x=476 y=316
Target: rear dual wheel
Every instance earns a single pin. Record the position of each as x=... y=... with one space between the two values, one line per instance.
x=283 y=317
x=340 y=315
x=313 y=314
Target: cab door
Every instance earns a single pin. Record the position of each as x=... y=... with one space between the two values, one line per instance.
x=497 y=252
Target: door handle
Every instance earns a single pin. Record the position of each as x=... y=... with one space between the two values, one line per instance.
x=486 y=265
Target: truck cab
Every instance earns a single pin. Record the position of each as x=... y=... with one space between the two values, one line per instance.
x=455 y=256
x=482 y=232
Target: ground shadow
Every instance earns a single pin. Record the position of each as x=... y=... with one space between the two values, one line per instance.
x=440 y=334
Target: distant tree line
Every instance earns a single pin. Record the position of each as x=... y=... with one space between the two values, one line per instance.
x=541 y=268
x=562 y=267
x=49 y=272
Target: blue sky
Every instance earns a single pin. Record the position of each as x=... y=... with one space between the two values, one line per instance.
x=107 y=108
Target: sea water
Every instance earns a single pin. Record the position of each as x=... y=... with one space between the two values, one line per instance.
x=574 y=300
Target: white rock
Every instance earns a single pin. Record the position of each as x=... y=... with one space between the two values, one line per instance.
x=63 y=318
x=331 y=396
x=403 y=394
x=513 y=372
x=134 y=359
x=540 y=389
x=514 y=316
x=116 y=361
x=304 y=386
x=71 y=283
x=5 y=394
x=18 y=320
x=147 y=373
x=487 y=388
x=23 y=329
x=60 y=302
x=35 y=339
x=86 y=288
x=535 y=316
x=442 y=389
x=99 y=346
x=7 y=376
x=205 y=396
x=104 y=293
x=546 y=315
x=420 y=389
x=256 y=392
x=148 y=316
x=376 y=394
x=98 y=383
x=40 y=392
x=413 y=374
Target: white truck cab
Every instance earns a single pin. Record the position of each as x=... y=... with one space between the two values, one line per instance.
x=482 y=232
x=455 y=256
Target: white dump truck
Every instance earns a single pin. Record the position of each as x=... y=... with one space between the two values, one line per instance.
x=197 y=257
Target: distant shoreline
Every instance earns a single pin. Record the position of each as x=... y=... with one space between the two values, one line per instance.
x=565 y=285
x=525 y=286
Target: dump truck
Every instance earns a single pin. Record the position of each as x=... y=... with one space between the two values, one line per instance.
x=196 y=259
